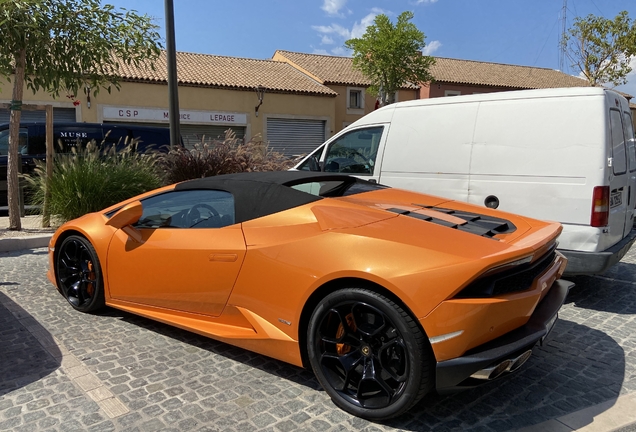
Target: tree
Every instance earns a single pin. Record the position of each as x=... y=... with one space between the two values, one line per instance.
x=601 y=48
x=391 y=55
x=64 y=46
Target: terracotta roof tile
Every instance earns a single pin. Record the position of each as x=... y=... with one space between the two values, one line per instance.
x=339 y=70
x=329 y=69
x=501 y=75
x=228 y=72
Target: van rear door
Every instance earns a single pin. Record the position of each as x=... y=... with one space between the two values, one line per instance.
x=621 y=204
x=628 y=132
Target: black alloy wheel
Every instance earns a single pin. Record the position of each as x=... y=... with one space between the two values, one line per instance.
x=368 y=353
x=79 y=274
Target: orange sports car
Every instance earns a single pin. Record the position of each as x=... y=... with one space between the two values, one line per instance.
x=386 y=294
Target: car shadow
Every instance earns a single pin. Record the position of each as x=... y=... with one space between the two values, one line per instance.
x=577 y=368
x=614 y=291
x=24 y=358
x=23 y=252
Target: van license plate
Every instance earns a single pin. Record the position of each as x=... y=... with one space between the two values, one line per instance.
x=616 y=199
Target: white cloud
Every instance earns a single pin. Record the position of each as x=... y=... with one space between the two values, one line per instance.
x=430 y=48
x=359 y=28
x=425 y=1
x=337 y=34
x=333 y=29
x=332 y=7
x=341 y=51
x=320 y=51
x=326 y=40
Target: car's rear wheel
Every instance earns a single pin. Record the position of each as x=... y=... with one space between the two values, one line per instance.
x=369 y=354
x=79 y=274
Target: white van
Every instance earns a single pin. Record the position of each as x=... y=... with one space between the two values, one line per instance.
x=558 y=154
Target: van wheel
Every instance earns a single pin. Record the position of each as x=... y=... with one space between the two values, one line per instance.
x=368 y=354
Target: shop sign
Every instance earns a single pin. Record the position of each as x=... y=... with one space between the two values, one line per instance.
x=160 y=115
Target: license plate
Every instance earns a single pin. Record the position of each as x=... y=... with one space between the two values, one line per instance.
x=616 y=199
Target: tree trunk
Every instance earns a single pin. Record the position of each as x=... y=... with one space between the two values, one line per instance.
x=14 y=139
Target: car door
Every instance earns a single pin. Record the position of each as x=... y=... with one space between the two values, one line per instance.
x=189 y=254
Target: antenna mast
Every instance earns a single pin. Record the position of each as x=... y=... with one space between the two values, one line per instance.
x=562 y=47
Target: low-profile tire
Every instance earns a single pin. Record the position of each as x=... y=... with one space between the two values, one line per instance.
x=369 y=354
x=79 y=274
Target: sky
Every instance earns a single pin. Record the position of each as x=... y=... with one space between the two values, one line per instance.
x=520 y=32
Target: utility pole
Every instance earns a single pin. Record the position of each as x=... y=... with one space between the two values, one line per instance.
x=173 y=89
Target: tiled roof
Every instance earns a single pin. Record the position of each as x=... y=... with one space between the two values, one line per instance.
x=501 y=75
x=228 y=72
x=339 y=70
x=327 y=69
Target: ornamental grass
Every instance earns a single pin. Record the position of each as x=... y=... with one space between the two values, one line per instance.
x=92 y=178
x=216 y=157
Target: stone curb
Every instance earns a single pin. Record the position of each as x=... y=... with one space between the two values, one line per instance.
x=19 y=243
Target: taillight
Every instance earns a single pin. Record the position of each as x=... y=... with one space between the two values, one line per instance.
x=600 y=206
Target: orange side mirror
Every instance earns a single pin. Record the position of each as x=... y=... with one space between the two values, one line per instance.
x=126 y=216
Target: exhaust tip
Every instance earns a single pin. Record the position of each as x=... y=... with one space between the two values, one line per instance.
x=509 y=365
x=519 y=361
x=499 y=369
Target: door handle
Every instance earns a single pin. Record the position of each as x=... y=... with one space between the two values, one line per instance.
x=223 y=257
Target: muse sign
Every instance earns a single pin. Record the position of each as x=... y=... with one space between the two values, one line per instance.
x=115 y=113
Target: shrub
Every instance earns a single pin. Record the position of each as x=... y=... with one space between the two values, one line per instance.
x=217 y=157
x=92 y=178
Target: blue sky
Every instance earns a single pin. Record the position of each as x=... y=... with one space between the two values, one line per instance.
x=522 y=32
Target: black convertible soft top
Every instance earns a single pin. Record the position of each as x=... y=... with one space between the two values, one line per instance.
x=258 y=194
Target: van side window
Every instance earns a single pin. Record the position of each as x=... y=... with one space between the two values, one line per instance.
x=22 y=144
x=628 y=131
x=312 y=162
x=354 y=152
x=619 y=160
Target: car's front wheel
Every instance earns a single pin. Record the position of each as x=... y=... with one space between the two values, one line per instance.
x=369 y=354
x=79 y=274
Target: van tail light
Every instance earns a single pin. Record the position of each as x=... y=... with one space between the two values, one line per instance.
x=600 y=206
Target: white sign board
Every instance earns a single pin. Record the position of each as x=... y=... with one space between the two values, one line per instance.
x=110 y=113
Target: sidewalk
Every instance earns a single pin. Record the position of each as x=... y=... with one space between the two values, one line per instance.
x=32 y=235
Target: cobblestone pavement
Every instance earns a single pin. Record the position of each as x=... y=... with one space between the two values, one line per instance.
x=61 y=370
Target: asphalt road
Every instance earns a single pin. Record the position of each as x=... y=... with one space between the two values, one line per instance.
x=61 y=370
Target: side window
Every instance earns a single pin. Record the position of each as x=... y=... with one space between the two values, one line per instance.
x=22 y=144
x=354 y=152
x=188 y=209
x=629 y=135
x=619 y=160
x=312 y=162
x=355 y=100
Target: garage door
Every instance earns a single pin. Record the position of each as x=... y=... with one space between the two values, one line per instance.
x=294 y=137
x=193 y=134
x=60 y=115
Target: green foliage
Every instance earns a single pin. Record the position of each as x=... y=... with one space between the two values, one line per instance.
x=217 y=157
x=391 y=55
x=602 y=48
x=91 y=179
x=71 y=44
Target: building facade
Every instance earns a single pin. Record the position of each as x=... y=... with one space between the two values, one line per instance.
x=294 y=101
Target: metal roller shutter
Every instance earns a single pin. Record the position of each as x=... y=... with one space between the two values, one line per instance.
x=293 y=137
x=192 y=134
x=60 y=115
